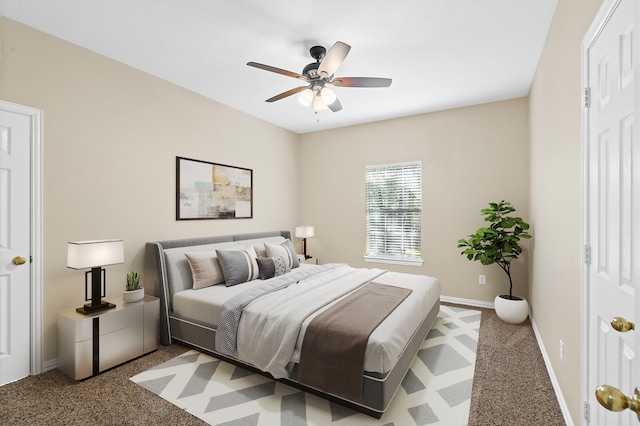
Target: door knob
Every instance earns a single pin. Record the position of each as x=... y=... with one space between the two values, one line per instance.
x=622 y=325
x=614 y=400
x=19 y=260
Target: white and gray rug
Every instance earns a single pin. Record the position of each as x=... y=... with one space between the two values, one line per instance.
x=435 y=391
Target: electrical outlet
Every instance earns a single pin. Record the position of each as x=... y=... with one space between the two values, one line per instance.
x=482 y=279
x=561 y=351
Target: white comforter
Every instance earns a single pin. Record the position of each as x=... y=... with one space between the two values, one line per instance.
x=272 y=327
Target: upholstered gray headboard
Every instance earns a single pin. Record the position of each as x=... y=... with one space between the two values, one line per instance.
x=156 y=277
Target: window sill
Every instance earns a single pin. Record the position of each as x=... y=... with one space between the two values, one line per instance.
x=394 y=260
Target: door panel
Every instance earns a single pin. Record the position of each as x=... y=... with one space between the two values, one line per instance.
x=613 y=216
x=15 y=141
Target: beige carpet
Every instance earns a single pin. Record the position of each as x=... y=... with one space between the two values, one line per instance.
x=511 y=387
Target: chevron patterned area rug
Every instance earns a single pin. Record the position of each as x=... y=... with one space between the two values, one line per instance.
x=435 y=391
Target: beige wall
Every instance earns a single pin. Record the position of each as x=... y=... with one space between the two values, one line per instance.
x=111 y=135
x=470 y=157
x=556 y=261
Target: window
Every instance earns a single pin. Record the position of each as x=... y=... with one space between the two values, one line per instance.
x=394 y=213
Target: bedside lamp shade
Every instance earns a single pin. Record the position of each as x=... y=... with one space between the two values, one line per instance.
x=94 y=255
x=91 y=254
x=304 y=232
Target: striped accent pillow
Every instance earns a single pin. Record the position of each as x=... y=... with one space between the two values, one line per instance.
x=285 y=250
x=238 y=266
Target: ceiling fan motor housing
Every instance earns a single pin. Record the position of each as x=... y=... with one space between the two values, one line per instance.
x=311 y=70
x=317 y=52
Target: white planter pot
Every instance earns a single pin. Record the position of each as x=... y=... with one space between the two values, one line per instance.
x=133 y=295
x=512 y=311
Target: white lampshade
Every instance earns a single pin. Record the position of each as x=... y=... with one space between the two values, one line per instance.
x=92 y=254
x=318 y=104
x=305 y=231
x=328 y=96
x=306 y=97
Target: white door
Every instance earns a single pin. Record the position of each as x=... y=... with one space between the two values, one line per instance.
x=15 y=268
x=613 y=207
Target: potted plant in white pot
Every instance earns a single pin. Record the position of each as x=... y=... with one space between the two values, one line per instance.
x=133 y=292
x=500 y=243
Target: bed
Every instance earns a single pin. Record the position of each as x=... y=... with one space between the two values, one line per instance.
x=234 y=322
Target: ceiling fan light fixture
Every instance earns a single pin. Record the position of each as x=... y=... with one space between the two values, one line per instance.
x=306 y=97
x=328 y=96
x=318 y=104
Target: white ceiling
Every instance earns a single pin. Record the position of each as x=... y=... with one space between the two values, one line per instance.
x=440 y=54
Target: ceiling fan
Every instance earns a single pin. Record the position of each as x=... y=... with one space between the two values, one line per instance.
x=319 y=74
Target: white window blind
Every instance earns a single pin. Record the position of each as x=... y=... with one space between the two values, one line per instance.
x=394 y=212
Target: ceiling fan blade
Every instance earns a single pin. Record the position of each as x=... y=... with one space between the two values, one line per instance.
x=286 y=94
x=361 y=82
x=335 y=106
x=277 y=70
x=333 y=59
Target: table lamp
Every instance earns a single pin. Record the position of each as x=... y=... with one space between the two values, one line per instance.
x=94 y=255
x=304 y=232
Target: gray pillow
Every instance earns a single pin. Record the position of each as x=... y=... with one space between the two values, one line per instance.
x=285 y=250
x=238 y=266
x=271 y=267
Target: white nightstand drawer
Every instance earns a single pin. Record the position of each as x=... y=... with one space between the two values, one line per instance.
x=121 y=318
x=120 y=346
x=75 y=360
x=73 y=330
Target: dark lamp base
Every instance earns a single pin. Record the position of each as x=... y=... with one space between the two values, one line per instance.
x=89 y=308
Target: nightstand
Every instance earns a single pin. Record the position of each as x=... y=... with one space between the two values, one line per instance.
x=91 y=344
x=311 y=260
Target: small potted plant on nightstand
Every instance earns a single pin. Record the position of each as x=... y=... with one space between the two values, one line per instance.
x=133 y=292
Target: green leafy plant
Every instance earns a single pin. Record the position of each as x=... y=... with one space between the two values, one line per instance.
x=133 y=281
x=500 y=242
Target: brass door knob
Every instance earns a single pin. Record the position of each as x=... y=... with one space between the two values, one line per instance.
x=622 y=325
x=19 y=260
x=614 y=400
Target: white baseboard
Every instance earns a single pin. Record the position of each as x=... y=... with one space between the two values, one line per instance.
x=554 y=381
x=52 y=364
x=468 y=302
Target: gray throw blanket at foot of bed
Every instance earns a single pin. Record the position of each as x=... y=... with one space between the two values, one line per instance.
x=333 y=349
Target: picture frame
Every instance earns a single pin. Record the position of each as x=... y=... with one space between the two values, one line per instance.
x=206 y=190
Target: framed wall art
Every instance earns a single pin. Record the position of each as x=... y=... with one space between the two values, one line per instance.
x=207 y=190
